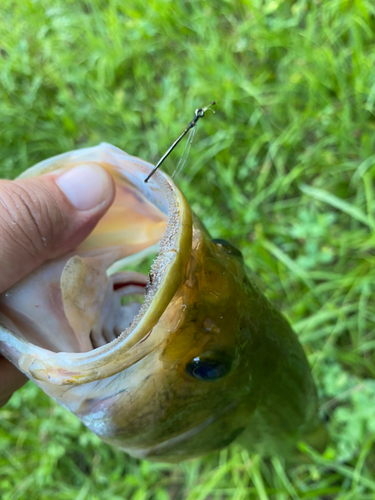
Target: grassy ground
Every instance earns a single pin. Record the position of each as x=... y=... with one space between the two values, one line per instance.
x=284 y=169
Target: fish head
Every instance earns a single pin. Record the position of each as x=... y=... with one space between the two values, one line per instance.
x=185 y=373
x=194 y=393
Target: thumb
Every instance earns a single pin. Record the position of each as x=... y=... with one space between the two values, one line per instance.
x=46 y=216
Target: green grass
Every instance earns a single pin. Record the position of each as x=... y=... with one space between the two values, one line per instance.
x=284 y=169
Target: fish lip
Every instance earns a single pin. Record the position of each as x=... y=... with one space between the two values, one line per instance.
x=168 y=270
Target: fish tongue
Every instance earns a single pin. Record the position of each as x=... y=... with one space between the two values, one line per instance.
x=84 y=285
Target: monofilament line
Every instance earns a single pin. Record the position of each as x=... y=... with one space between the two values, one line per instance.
x=199 y=113
x=185 y=154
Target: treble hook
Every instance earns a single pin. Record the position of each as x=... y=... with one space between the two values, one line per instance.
x=199 y=113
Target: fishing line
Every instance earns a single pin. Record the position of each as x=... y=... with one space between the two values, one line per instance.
x=185 y=154
x=199 y=113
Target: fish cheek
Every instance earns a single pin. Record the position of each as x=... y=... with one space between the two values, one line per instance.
x=160 y=404
x=158 y=409
x=202 y=433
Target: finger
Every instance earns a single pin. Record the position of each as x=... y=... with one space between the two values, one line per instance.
x=11 y=380
x=46 y=216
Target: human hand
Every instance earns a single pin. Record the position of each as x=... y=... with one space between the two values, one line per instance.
x=42 y=218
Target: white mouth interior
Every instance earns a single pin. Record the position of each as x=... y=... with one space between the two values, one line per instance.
x=123 y=301
x=79 y=302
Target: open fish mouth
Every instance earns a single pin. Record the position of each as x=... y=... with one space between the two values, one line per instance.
x=104 y=336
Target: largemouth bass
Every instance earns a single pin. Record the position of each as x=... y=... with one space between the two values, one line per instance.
x=205 y=359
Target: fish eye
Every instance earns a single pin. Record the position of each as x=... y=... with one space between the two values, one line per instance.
x=209 y=366
x=231 y=250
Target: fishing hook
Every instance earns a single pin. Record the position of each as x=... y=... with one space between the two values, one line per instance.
x=199 y=113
